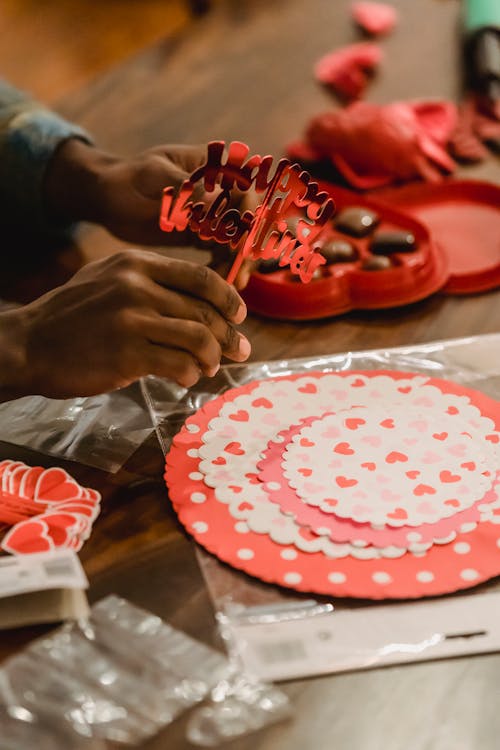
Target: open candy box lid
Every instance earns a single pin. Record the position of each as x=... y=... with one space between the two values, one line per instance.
x=464 y=220
x=456 y=226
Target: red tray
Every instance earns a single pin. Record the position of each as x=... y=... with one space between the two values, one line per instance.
x=347 y=286
x=463 y=218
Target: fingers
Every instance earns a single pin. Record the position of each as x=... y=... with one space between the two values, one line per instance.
x=153 y=173
x=244 y=274
x=129 y=194
x=173 y=364
x=232 y=344
x=222 y=268
x=148 y=358
x=188 y=157
x=166 y=166
x=179 y=350
x=177 y=305
x=195 y=338
x=197 y=281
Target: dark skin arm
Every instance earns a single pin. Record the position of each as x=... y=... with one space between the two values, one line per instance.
x=124 y=195
x=117 y=319
x=133 y=314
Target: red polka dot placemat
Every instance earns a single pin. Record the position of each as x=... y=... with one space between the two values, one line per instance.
x=371 y=484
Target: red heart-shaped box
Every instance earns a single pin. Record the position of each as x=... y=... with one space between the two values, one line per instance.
x=456 y=225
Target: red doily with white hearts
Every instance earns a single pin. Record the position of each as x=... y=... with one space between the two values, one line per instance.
x=366 y=484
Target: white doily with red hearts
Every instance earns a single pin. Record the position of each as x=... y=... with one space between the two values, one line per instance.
x=345 y=529
x=421 y=468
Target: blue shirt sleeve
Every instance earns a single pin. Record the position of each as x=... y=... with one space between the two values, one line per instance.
x=29 y=135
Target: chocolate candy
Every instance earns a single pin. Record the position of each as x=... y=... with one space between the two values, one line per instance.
x=291 y=224
x=394 y=241
x=356 y=221
x=270 y=265
x=338 y=251
x=317 y=274
x=376 y=263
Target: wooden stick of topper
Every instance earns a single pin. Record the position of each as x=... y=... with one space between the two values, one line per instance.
x=262 y=234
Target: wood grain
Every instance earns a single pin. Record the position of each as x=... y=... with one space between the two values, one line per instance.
x=244 y=71
x=54 y=47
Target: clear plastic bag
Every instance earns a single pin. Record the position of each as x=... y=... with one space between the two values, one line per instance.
x=101 y=431
x=239 y=704
x=119 y=676
x=472 y=361
x=237 y=598
x=22 y=729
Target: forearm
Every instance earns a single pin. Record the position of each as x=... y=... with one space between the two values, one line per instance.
x=13 y=365
x=30 y=135
x=72 y=183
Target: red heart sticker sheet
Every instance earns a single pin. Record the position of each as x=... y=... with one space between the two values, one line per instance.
x=45 y=509
x=369 y=484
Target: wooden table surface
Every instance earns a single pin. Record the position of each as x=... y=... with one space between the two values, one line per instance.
x=244 y=72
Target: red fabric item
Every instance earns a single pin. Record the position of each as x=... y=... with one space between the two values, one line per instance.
x=374 y=145
x=374 y=18
x=478 y=122
x=348 y=69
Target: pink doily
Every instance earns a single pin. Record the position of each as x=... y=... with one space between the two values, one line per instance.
x=345 y=529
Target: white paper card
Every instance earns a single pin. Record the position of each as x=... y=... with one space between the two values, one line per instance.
x=369 y=637
x=40 y=572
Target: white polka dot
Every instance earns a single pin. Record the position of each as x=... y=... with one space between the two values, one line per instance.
x=322 y=531
x=279 y=439
x=288 y=554
x=193 y=453
x=461 y=548
x=419 y=549
x=425 y=576
x=359 y=543
x=414 y=536
x=200 y=526
x=292 y=578
x=336 y=577
x=498 y=542
x=469 y=574
x=245 y=554
x=241 y=527
x=381 y=577
x=272 y=486
x=191 y=427
x=196 y=476
x=198 y=497
x=466 y=527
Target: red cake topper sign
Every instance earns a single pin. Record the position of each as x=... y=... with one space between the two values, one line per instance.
x=262 y=234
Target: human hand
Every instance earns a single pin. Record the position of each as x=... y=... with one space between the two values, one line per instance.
x=124 y=195
x=132 y=314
